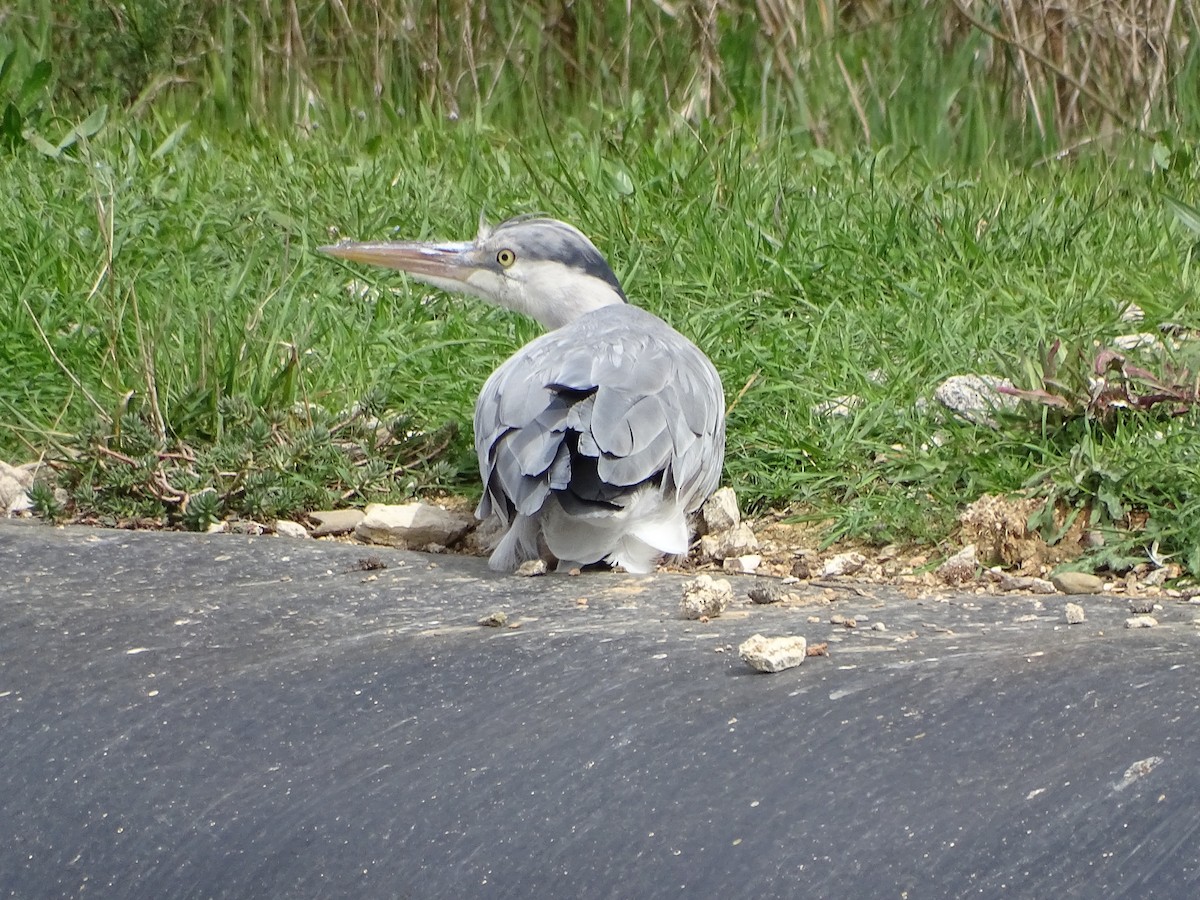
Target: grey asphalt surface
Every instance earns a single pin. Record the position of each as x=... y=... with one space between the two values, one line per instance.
x=228 y=716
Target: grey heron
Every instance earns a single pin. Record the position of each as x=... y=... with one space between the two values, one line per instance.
x=596 y=439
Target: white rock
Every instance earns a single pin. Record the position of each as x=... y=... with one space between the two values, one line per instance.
x=1141 y=622
x=959 y=568
x=742 y=565
x=705 y=596
x=286 y=528
x=531 y=568
x=737 y=541
x=411 y=525
x=720 y=511
x=15 y=482
x=843 y=564
x=773 y=654
x=1141 y=341
x=1074 y=614
x=975 y=397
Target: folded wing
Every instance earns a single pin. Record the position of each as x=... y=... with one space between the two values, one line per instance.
x=606 y=430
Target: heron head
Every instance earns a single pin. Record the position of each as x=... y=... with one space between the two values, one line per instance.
x=538 y=266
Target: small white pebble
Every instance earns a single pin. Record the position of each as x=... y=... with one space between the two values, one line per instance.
x=1074 y=614
x=1141 y=622
x=531 y=568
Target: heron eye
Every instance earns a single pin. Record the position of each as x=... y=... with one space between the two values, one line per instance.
x=506 y=258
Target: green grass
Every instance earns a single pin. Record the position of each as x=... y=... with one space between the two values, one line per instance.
x=851 y=208
x=162 y=276
x=829 y=73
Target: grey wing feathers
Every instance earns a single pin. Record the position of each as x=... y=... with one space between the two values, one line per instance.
x=592 y=411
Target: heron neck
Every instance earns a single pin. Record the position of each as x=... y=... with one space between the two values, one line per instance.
x=559 y=304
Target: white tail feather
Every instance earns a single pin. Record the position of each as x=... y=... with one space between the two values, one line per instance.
x=634 y=538
x=519 y=543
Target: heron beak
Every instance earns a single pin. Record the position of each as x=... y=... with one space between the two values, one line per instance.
x=444 y=262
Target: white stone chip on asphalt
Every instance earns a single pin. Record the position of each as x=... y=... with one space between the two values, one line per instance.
x=773 y=654
x=705 y=597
